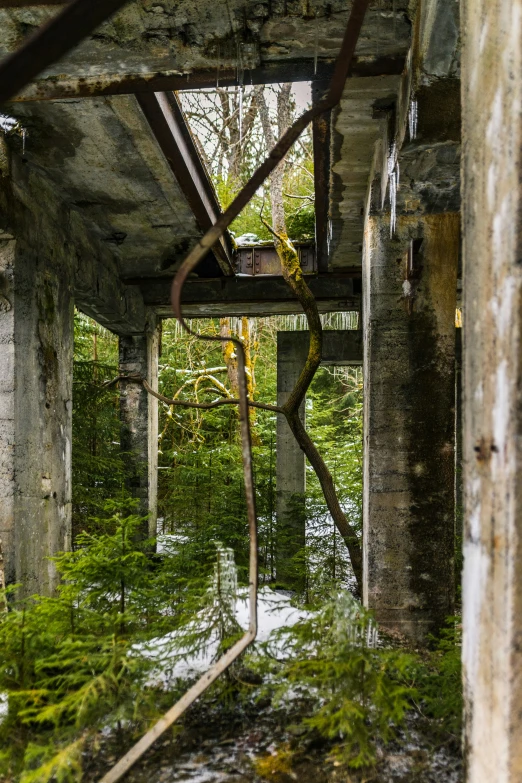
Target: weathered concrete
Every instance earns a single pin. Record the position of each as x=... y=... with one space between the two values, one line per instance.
x=48 y=260
x=409 y=397
x=139 y=420
x=290 y=465
x=36 y=336
x=340 y=347
x=356 y=124
x=180 y=37
x=492 y=586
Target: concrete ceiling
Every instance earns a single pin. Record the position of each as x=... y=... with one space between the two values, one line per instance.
x=158 y=37
x=356 y=126
x=100 y=154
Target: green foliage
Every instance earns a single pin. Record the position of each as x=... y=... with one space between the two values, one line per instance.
x=200 y=478
x=89 y=657
x=441 y=688
x=334 y=419
x=360 y=692
x=67 y=662
x=96 y=458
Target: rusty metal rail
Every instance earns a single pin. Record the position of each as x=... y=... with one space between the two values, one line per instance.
x=204 y=245
x=52 y=41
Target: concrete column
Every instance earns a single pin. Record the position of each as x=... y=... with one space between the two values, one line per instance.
x=292 y=351
x=492 y=323
x=36 y=345
x=409 y=397
x=139 y=420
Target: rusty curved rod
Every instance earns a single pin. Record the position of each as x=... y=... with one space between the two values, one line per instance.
x=332 y=98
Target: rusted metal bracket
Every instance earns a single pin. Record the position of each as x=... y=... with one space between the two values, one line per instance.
x=195 y=256
x=263 y=260
x=52 y=41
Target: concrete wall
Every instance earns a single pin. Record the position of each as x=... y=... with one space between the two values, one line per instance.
x=46 y=259
x=290 y=465
x=492 y=209
x=36 y=335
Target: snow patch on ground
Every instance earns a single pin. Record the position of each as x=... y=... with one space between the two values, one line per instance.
x=274 y=613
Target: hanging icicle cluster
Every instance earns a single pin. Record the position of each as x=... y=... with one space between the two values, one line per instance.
x=393 y=185
x=413 y=117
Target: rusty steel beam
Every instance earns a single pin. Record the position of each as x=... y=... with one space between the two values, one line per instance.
x=263 y=259
x=52 y=41
x=167 y=122
x=59 y=87
x=321 y=134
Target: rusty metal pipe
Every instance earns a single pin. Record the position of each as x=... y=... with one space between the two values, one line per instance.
x=200 y=250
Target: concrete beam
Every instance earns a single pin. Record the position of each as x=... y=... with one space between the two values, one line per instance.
x=341 y=347
x=98 y=289
x=492 y=584
x=258 y=295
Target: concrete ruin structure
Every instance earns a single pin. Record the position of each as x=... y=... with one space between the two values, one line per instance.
x=418 y=190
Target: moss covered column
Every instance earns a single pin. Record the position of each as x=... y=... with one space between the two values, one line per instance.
x=139 y=420
x=36 y=347
x=409 y=423
x=292 y=351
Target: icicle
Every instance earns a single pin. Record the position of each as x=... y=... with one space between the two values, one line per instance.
x=241 y=88
x=413 y=117
x=393 y=202
x=393 y=186
x=24 y=134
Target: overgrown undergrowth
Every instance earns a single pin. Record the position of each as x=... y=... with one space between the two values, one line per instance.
x=79 y=666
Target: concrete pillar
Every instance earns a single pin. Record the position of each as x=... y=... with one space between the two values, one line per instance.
x=36 y=346
x=139 y=420
x=292 y=351
x=492 y=323
x=409 y=285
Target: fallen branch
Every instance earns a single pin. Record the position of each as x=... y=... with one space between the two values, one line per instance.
x=188 y=403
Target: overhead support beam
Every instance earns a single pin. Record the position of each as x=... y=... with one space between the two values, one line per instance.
x=254 y=296
x=61 y=87
x=167 y=122
x=52 y=42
